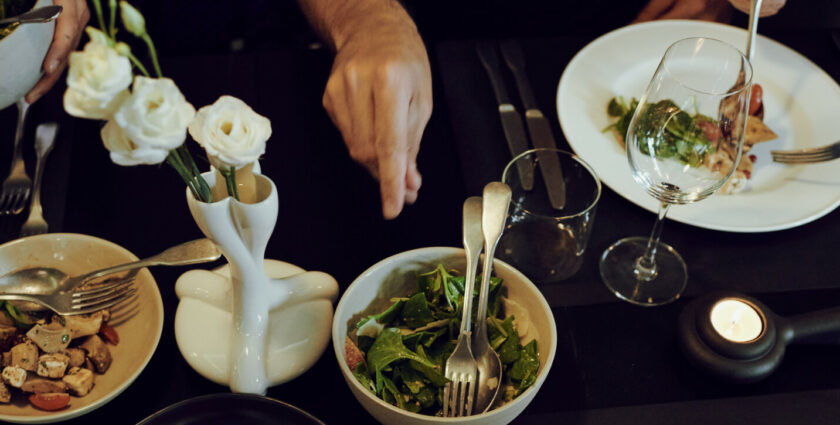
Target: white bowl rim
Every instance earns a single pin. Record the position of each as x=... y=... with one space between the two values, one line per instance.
x=157 y=300
x=444 y=250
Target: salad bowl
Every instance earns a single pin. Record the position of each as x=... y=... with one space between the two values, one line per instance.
x=396 y=276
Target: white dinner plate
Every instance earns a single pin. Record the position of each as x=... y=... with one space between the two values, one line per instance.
x=801 y=104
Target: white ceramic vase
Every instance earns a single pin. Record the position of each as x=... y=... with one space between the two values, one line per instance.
x=21 y=58
x=252 y=323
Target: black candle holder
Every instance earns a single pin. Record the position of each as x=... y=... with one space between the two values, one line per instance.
x=753 y=360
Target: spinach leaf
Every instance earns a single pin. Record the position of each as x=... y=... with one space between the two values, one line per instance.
x=386 y=316
x=509 y=351
x=396 y=397
x=616 y=108
x=524 y=370
x=387 y=348
x=362 y=374
x=364 y=342
x=416 y=312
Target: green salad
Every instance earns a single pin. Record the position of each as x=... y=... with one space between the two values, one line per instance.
x=668 y=130
x=402 y=351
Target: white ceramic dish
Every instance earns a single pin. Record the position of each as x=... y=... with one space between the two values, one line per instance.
x=139 y=323
x=396 y=275
x=21 y=58
x=801 y=102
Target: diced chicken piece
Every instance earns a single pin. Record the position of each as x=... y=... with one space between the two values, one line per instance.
x=25 y=356
x=6 y=320
x=80 y=326
x=79 y=381
x=77 y=357
x=89 y=364
x=43 y=385
x=97 y=352
x=14 y=376
x=5 y=395
x=7 y=358
x=52 y=365
x=52 y=338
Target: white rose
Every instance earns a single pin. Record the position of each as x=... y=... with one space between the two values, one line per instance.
x=231 y=132
x=97 y=82
x=156 y=115
x=124 y=151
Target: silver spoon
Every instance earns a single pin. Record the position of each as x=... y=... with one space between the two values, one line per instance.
x=496 y=198
x=42 y=14
x=46 y=280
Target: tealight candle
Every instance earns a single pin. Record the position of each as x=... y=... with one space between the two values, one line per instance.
x=736 y=320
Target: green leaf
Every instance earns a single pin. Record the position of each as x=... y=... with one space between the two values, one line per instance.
x=509 y=351
x=616 y=108
x=416 y=312
x=363 y=376
x=525 y=368
x=386 y=316
x=387 y=348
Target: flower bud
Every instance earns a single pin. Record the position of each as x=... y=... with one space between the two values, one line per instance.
x=98 y=36
x=123 y=49
x=132 y=19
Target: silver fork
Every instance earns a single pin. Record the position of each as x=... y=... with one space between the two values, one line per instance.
x=461 y=368
x=807 y=156
x=68 y=303
x=44 y=138
x=17 y=185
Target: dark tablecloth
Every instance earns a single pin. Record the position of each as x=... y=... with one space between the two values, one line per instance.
x=616 y=363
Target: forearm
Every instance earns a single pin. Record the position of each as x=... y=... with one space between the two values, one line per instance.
x=339 y=20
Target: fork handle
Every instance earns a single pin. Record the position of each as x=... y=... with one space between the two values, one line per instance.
x=194 y=252
x=23 y=107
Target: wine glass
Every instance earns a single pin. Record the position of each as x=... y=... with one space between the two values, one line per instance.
x=683 y=143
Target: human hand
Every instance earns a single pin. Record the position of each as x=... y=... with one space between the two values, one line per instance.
x=69 y=28
x=705 y=10
x=768 y=7
x=379 y=95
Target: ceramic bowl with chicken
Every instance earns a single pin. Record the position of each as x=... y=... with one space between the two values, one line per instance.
x=78 y=351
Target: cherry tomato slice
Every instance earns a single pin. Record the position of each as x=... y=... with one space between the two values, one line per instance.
x=756 y=97
x=50 y=401
x=109 y=334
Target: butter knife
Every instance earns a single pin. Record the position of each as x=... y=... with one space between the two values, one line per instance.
x=511 y=120
x=538 y=126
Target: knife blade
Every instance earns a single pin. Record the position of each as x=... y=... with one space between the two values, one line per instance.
x=538 y=126
x=511 y=120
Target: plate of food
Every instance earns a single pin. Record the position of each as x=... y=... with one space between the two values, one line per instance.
x=56 y=368
x=227 y=408
x=794 y=109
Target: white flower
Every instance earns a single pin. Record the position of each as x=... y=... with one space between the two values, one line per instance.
x=231 y=132
x=97 y=82
x=156 y=115
x=124 y=151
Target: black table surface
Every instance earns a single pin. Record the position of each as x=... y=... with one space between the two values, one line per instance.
x=616 y=363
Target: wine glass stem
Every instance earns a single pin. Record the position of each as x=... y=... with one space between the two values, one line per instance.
x=646 y=264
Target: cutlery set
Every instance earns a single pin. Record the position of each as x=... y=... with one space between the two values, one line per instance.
x=18 y=187
x=538 y=126
x=474 y=368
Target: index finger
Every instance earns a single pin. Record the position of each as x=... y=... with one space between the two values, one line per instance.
x=390 y=109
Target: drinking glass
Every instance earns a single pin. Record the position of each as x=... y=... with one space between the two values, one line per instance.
x=683 y=143
x=545 y=243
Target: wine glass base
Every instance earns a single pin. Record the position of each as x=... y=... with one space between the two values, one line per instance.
x=621 y=275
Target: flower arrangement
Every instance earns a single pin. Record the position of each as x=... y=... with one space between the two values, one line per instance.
x=147 y=117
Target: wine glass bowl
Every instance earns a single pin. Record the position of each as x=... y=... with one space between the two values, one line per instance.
x=683 y=143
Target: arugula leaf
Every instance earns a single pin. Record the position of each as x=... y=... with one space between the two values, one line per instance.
x=416 y=312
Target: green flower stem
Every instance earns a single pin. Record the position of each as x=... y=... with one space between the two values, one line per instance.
x=112 y=4
x=173 y=160
x=230 y=180
x=138 y=64
x=152 y=53
x=98 y=7
x=187 y=159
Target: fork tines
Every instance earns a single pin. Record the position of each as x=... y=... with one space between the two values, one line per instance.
x=804 y=156
x=458 y=395
x=103 y=297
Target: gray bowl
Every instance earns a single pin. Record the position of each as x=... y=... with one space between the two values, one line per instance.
x=21 y=58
